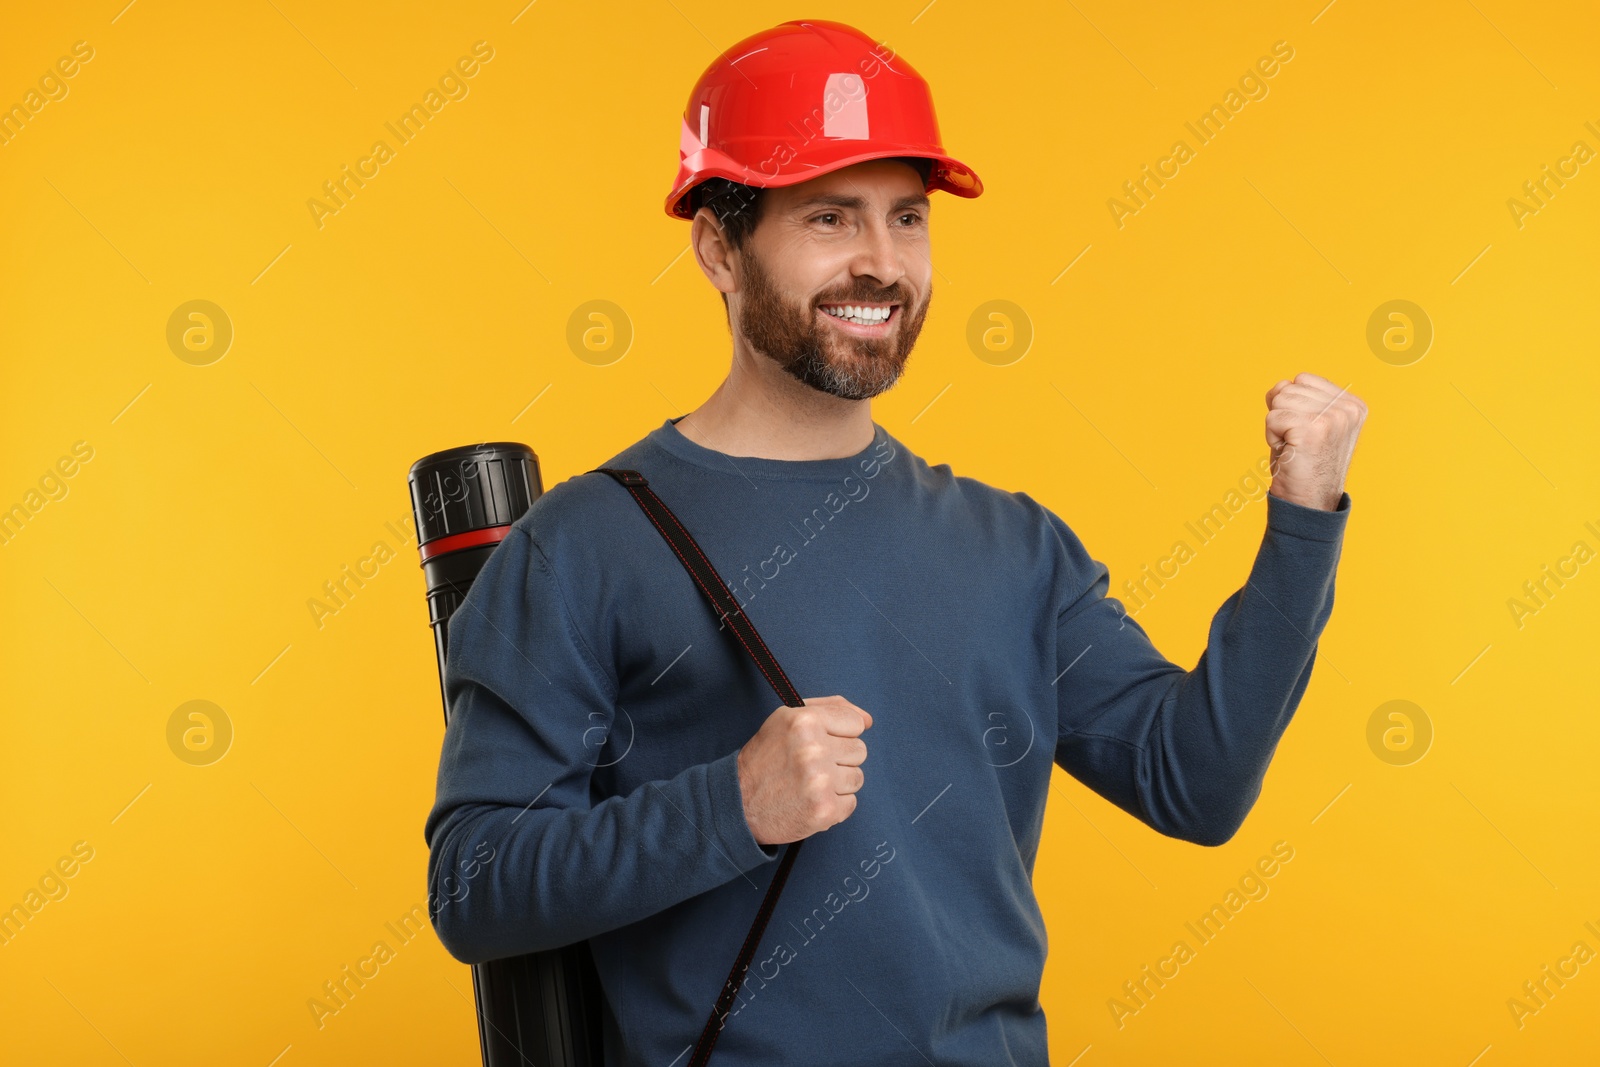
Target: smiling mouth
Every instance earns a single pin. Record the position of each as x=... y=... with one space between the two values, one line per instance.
x=861 y=318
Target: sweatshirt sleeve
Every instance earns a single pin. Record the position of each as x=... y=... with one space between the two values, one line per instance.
x=519 y=859
x=1186 y=752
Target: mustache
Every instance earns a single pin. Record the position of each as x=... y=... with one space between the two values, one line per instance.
x=893 y=297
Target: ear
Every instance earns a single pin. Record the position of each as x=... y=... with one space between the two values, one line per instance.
x=717 y=257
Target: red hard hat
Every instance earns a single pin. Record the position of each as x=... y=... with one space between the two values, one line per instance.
x=804 y=98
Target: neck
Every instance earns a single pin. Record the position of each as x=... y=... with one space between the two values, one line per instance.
x=759 y=410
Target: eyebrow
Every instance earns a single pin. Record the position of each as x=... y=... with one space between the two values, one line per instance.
x=858 y=203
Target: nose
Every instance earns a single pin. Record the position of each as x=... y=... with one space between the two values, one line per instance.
x=877 y=255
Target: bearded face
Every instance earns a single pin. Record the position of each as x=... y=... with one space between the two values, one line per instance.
x=854 y=360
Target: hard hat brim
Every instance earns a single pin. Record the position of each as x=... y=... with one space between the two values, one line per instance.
x=948 y=174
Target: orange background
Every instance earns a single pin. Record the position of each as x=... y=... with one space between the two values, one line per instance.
x=222 y=489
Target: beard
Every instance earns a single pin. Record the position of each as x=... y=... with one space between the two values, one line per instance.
x=828 y=360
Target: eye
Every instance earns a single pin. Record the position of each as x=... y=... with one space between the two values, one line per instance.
x=916 y=219
x=825 y=215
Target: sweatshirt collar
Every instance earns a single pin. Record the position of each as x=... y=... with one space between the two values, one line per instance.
x=669 y=438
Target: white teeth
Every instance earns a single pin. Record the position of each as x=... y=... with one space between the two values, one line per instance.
x=861 y=316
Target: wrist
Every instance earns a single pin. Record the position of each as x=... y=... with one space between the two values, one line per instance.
x=1324 y=500
x=744 y=792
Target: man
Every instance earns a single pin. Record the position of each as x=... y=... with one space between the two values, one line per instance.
x=625 y=762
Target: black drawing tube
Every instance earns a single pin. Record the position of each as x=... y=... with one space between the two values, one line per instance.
x=541 y=1009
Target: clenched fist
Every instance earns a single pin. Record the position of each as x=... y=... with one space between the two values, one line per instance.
x=1312 y=427
x=800 y=772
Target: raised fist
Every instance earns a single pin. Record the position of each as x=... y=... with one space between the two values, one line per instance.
x=1312 y=427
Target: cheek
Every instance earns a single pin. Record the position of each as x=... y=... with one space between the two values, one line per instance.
x=807 y=273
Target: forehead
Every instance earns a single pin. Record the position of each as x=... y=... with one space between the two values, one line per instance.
x=877 y=184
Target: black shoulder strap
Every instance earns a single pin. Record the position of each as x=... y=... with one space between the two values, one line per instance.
x=727 y=608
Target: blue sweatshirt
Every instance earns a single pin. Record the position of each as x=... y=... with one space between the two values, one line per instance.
x=588 y=787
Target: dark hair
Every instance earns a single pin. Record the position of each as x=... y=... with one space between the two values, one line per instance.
x=738 y=206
